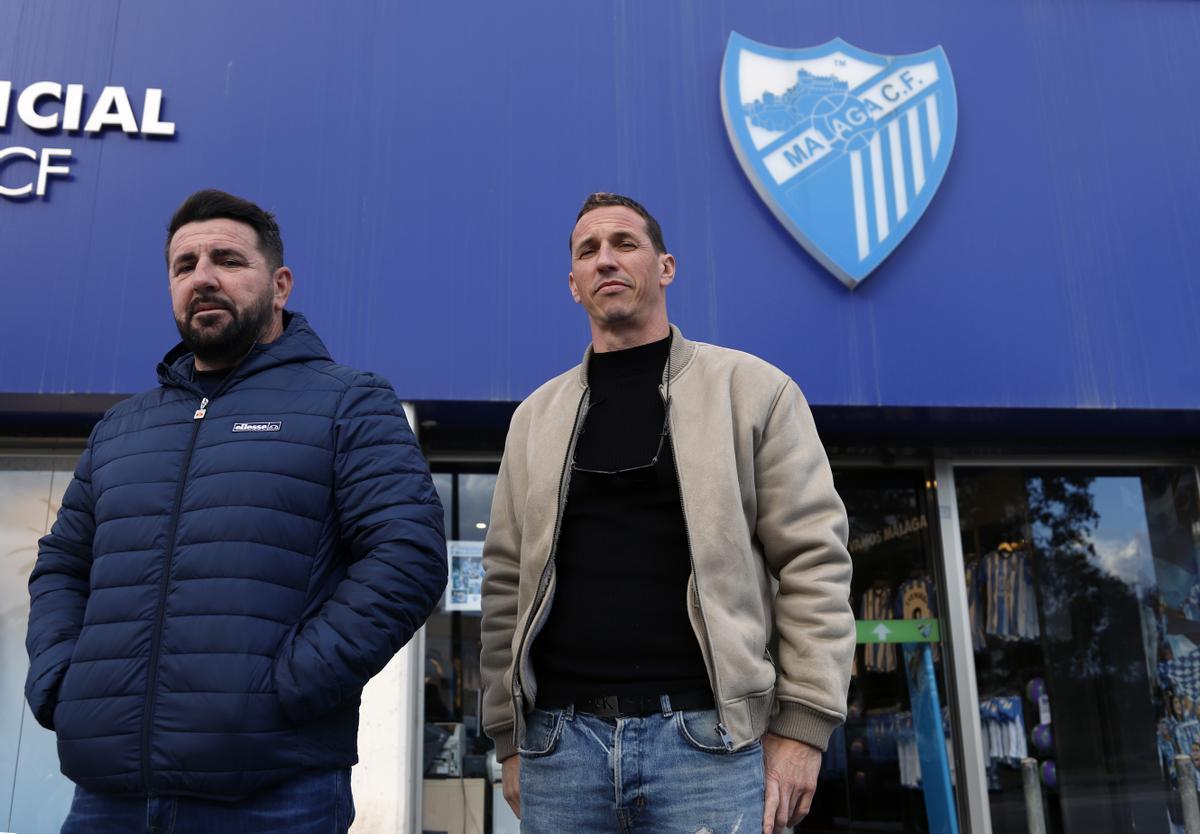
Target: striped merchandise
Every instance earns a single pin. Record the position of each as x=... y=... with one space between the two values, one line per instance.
x=975 y=606
x=1003 y=729
x=877 y=605
x=1011 y=598
x=908 y=750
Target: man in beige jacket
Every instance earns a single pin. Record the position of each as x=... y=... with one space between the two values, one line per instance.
x=645 y=501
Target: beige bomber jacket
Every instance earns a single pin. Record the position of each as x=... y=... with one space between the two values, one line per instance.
x=758 y=501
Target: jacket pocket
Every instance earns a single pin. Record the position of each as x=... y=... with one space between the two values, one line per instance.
x=290 y=692
x=42 y=694
x=542 y=731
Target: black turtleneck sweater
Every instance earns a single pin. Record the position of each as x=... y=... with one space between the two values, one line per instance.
x=618 y=623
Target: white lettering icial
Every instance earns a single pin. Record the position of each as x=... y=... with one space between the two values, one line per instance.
x=46 y=105
x=49 y=106
x=274 y=425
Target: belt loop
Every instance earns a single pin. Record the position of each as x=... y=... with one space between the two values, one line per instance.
x=664 y=701
x=569 y=712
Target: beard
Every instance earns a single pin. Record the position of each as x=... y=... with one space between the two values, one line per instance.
x=226 y=343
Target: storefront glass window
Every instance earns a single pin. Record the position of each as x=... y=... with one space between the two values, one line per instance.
x=456 y=748
x=1084 y=591
x=35 y=796
x=871 y=775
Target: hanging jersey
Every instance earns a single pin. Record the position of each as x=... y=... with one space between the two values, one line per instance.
x=1010 y=594
x=916 y=601
x=877 y=605
x=975 y=606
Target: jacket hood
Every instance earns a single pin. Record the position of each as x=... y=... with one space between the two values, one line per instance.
x=298 y=343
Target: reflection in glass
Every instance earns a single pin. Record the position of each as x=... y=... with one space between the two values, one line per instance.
x=35 y=792
x=1078 y=584
x=443 y=483
x=474 y=506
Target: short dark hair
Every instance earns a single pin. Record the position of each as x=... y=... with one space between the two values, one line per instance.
x=600 y=199
x=211 y=204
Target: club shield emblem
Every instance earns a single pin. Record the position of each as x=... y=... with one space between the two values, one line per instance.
x=846 y=147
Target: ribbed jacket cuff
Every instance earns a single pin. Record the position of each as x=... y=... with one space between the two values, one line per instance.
x=503 y=737
x=803 y=724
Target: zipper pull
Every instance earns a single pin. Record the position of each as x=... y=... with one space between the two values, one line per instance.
x=725 y=737
x=199 y=415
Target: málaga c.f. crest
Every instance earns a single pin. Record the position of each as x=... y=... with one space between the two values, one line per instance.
x=845 y=146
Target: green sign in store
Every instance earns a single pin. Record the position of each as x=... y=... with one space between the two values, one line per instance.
x=898 y=631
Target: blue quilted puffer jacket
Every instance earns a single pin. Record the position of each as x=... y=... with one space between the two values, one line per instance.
x=225 y=575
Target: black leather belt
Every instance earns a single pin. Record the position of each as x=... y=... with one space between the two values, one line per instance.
x=628 y=706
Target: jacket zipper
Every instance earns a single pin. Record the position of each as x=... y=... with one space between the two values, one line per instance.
x=726 y=738
x=564 y=480
x=156 y=639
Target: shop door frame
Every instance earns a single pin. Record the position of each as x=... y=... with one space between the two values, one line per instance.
x=917 y=464
x=972 y=774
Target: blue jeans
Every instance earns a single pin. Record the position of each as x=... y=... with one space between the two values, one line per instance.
x=315 y=803
x=662 y=773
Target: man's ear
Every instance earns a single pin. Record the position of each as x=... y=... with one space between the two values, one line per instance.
x=282 y=285
x=574 y=287
x=666 y=267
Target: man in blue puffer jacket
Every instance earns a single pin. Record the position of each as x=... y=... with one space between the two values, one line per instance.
x=240 y=550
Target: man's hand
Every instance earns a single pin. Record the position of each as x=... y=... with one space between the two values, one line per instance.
x=510 y=782
x=791 y=769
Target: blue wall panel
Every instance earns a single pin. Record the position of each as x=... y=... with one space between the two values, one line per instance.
x=426 y=162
